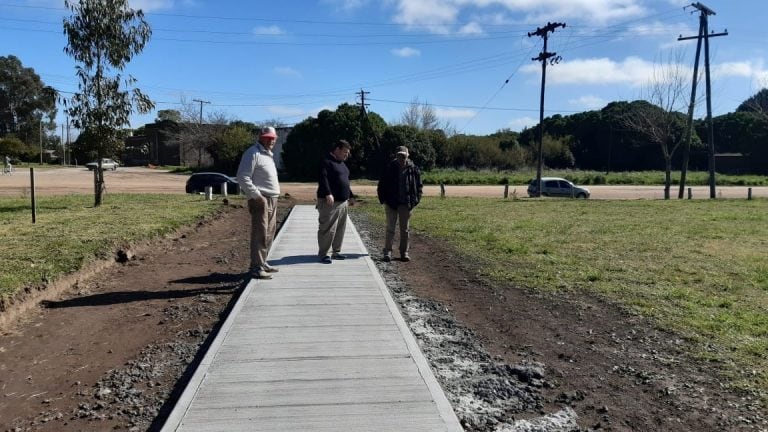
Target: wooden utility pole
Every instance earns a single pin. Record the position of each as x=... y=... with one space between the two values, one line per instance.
x=364 y=119
x=201 y=107
x=543 y=57
x=704 y=35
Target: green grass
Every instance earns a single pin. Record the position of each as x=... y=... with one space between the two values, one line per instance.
x=647 y=178
x=699 y=268
x=70 y=232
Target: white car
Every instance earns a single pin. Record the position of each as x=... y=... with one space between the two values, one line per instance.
x=107 y=164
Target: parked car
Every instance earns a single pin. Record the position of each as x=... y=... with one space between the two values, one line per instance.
x=197 y=183
x=107 y=164
x=557 y=187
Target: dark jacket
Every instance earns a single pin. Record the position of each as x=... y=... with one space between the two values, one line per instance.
x=389 y=190
x=333 y=179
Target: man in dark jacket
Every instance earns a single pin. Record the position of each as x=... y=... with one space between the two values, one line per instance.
x=333 y=192
x=399 y=190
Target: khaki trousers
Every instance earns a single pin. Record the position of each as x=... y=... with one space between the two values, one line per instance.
x=332 y=222
x=403 y=214
x=263 y=226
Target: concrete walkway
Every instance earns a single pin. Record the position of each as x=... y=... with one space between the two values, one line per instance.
x=321 y=347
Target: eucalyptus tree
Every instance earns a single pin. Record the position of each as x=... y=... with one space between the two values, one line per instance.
x=102 y=37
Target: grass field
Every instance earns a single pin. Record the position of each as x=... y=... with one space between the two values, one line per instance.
x=699 y=268
x=642 y=178
x=70 y=232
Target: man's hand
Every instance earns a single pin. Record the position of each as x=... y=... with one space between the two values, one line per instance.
x=329 y=200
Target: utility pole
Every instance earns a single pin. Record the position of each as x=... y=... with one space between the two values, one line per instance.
x=66 y=148
x=62 y=138
x=704 y=34
x=201 y=107
x=198 y=145
x=364 y=119
x=362 y=103
x=543 y=57
x=41 y=140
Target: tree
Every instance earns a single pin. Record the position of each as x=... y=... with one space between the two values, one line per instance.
x=659 y=117
x=172 y=115
x=196 y=136
x=419 y=147
x=27 y=105
x=311 y=139
x=422 y=116
x=103 y=36
x=758 y=103
x=235 y=139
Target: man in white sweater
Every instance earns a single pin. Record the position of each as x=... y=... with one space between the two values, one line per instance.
x=257 y=176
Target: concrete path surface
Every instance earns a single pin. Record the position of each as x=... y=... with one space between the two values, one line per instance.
x=321 y=347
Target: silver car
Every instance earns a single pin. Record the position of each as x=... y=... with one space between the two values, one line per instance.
x=557 y=187
x=106 y=164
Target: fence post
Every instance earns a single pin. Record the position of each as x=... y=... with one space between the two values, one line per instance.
x=690 y=193
x=32 y=185
x=442 y=190
x=749 y=193
x=506 y=191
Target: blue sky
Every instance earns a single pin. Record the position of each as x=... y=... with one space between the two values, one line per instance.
x=470 y=59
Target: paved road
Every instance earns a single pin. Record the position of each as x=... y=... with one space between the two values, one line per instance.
x=59 y=181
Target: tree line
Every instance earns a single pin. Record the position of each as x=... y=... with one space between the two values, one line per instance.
x=622 y=136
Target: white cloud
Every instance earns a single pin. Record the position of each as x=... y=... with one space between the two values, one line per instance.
x=521 y=123
x=744 y=69
x=438 y=16
x=405 y=52
x=287 y=71
x=633 y=71
x=151 y=5
x=268 y=31
x=472 y=28
x=454 y=113
x=589 y=102
x=435 y=15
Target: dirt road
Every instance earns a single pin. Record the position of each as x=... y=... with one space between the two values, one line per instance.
x=59 y=181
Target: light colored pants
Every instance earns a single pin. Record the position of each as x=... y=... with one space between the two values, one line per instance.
x=332 y=224
x=403 y=214
x=263 y=226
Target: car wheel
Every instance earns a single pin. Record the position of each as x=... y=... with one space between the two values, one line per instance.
x=582 y=195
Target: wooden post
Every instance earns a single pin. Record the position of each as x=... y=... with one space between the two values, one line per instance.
x=749 y=193
x=32 y=185
x=690 y=193
x=442 y=190
x=506 y=191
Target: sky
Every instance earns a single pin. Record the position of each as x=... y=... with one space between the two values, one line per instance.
x=470 y=60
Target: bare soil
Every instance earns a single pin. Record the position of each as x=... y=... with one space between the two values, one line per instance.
x=113 y=351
